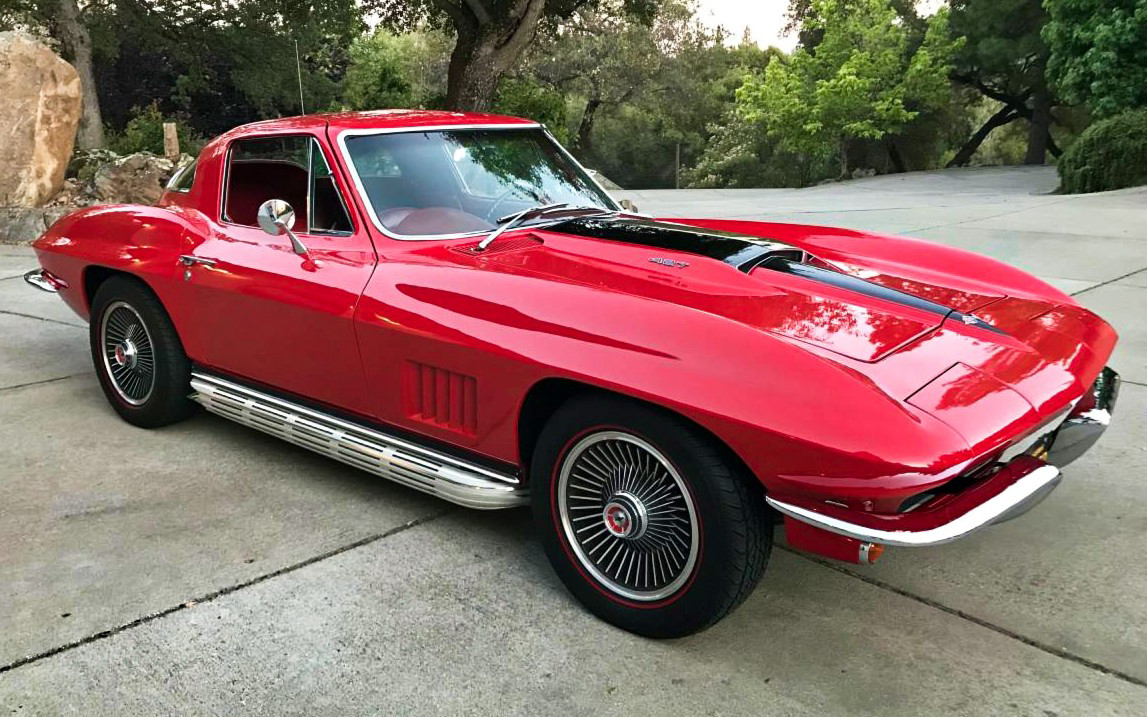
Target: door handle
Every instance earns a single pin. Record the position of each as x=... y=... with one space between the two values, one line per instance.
x=189 y=260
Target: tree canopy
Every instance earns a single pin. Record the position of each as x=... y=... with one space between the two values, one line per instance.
x=643 y=90
x=865 y=79
x=1098 y=52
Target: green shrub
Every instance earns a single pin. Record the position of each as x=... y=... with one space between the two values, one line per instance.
x=144 y=133
x=528 y=99
x=1110 y=154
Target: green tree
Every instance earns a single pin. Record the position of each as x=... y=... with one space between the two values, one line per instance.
x=639 y=92
x=219 y=63
x=396 y=70
x=863 y=80
x=491 y=36
x=1098 y=52
x=1005 y=59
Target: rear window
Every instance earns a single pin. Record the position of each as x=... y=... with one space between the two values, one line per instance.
x=183 y=178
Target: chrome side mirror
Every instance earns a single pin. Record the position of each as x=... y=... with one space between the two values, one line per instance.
x=628 y=206
x=277 y=218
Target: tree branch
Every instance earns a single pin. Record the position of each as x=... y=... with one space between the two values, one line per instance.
x=528 y=17
x=480 y=11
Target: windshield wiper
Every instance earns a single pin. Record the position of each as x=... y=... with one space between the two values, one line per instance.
x=510 y=221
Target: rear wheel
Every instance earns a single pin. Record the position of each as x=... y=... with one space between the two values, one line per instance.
x=645 y=519
x=138 y=357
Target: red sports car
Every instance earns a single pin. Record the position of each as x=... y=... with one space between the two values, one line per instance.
x=450 y=301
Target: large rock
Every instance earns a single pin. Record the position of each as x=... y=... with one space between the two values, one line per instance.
x=134 y=179
x=40 y=107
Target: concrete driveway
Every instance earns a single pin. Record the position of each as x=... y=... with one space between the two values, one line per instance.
x=208 y=569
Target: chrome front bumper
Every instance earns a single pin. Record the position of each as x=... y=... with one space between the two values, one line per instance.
x=1015 y=488
x=1087 y=422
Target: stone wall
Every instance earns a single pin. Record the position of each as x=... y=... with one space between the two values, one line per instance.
x=23 y=225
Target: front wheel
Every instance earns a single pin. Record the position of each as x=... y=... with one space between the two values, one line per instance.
x=647 y=521
x=138 y=356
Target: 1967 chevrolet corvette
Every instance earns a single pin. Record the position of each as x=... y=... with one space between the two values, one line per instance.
x=451 y=302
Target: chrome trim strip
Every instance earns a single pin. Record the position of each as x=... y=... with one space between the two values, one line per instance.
x=37 y=279
x=361 y=188
x=414 y=466
x=1014 y=499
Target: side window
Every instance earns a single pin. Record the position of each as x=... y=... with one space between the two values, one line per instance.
x=182 y=180
x=292 y=169
x=327 y=212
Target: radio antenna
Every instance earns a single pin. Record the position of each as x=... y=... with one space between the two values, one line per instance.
x=299 y=71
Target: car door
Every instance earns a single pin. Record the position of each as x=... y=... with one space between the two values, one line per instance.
x=261 y=311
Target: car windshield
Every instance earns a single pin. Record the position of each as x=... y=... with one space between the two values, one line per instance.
x=432 y=183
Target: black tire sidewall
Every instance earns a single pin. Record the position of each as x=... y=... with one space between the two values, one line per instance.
x=704 y=598
x=169 y=400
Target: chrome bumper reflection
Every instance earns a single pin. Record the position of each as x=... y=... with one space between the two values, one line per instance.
x=1088 y=422
x=38 y=279
x=1017 y=498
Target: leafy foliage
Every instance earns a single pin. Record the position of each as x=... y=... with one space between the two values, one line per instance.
x=1099 y=52
x=526 y=98
x=387 y=70
x=863 y=81
x=1110 y=154
x=144 y=133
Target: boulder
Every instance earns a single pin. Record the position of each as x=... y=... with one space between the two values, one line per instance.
x=134 y=179
x=39 y=115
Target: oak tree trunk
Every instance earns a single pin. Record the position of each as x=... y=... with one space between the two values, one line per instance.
x=1040 y=122
x=894 y=155
x=585 y=127
x=488 y=45
x=77 y=43
x=1005 y=115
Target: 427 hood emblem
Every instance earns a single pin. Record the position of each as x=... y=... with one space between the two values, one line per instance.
x=669 y=262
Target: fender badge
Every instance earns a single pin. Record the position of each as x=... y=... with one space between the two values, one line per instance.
x=969 y=319
x=669 y=262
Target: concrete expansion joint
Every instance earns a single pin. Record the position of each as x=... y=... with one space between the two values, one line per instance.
x=42 y=318
x=103 y=634
x=1110 y=281
x=31 y=384
x=1042 y=646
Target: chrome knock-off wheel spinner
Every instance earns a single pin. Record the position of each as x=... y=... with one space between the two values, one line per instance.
x=629 y=518
x=128 y=353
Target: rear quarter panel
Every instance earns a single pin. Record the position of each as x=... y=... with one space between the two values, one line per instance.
x=143 y=241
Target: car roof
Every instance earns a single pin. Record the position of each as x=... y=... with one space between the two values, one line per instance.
x=377 y=119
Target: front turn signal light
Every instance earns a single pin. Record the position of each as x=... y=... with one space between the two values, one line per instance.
x=870 y=553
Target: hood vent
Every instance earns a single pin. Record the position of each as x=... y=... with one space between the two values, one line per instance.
x=738 y=250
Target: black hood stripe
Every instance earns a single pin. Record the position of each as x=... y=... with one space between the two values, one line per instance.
x=746 y=253
x=860 y=286
x=738 y=250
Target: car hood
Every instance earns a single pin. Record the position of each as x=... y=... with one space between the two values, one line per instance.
x=898 y=320
x=782 y=288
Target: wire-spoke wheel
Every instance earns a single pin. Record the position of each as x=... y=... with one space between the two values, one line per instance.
x=129 y=354
x=138 y=356
x=650 y=523
x=628 y=516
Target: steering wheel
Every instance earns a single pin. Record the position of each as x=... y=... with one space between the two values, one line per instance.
x=490 y=215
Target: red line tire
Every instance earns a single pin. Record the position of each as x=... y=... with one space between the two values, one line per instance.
x=614 y=480
x=138 y=357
